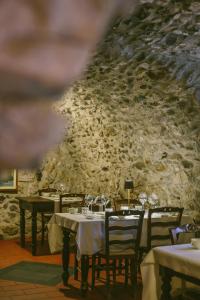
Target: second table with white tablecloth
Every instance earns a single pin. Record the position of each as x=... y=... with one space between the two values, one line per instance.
x=89 y=232
x=181 y=261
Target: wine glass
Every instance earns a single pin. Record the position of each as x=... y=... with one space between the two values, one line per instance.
x=106 y=202
x=142 y=198
x=153 y=200
x=89 y=199
x=100 y=202
x=61 y=188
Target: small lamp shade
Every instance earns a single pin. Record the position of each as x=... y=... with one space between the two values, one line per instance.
x=128 y=184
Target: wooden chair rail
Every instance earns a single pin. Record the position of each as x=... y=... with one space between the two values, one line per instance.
x=160 y=237
x=115 y=242
x=122 y=227
x=164 y=224
x=151 y=224
x=71 y=195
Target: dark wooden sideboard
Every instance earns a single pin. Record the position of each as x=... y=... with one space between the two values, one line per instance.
x=34 y=205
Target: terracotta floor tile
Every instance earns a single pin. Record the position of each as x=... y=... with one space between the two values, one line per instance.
x=45 y=290
x=22 y=286
x=6 y=283
x=30 y=297
x=8 y=293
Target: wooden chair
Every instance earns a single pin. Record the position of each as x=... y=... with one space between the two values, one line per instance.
x=183 y=234
x=70 y=197
x=124 y=202
x=64 y=205
x=122 y=238
x=47 y=190
x=45 y=217
x=158 y=228
x=96 y=208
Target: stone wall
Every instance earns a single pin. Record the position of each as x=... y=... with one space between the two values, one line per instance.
x=9 y=207
x=134 y=115
x=130 y=117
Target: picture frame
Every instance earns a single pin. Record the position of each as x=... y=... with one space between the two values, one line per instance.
x=8 y=181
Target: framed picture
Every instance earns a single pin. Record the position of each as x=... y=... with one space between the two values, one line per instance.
x=8 y=181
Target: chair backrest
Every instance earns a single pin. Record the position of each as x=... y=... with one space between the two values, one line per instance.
x=123 y=232
x=183 y=234
x=47 y=190
x=124 y=202
x=71 y=200
x=159 y=221
x=96 y=207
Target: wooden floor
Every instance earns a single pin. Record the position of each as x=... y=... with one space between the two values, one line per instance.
x=11 y=253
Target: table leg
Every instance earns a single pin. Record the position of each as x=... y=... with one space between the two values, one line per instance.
x=65 y=256
x=22 y=227
x=166 y=283
x=34 y=232
x=84 y=274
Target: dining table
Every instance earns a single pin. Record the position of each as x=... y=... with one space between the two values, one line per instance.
x=167 y=268
x=89 y=236
x=37 y=204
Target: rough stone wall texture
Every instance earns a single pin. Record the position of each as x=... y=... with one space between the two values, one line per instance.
x=9 y=207
x=136 y=112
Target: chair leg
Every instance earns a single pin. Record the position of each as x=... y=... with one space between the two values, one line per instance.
x=114 y=271
x=108 y=296
x=141 y=254
x=43 y=229
x=107 y=274
x=126 y=271
x=93 y=271
x=134 y=268
x=99 y=264
x=75 y=267
x=120 y=266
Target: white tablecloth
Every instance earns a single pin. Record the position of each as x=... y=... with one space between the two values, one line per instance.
x=89 y=233
x=181 y=258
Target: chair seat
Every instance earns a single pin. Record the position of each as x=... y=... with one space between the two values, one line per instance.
x=122 y=237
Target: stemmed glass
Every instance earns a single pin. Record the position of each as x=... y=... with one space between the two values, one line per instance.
x=61 y=188
x=100 y=202
x=105 y=201
x=153 y=200
x=143 y=198
x=89 y=200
